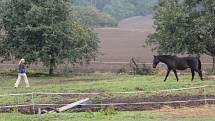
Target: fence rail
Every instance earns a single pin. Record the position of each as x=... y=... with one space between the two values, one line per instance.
x=113 y=104
x=124 y=62
x=33 y=94
x=99 y=93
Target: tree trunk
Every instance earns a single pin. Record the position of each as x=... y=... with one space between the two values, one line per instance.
x=51 y=66
x=213 y=67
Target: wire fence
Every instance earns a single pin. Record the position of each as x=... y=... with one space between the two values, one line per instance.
x=34 y=94
x=114 y=104
x=102 y=66
x=99 y=93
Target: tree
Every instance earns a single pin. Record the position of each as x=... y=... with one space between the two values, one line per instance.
x=120 y=9
x=43 y=30
x=91 y=17
x=185 y=26
x=99 y=4
x=82 y=2
x=144 y=7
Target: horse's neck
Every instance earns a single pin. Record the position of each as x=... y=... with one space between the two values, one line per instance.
x=165 y=60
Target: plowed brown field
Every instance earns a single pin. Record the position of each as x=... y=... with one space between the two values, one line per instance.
x=122 y=43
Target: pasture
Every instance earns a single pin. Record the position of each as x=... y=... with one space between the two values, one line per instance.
x=107 y=85
x=197 y=114
x=113 y=96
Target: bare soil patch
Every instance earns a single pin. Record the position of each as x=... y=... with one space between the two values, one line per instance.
x=157 y=99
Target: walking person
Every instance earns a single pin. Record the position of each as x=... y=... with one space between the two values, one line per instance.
x=22 y=74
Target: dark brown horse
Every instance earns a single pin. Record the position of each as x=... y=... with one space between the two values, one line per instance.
x=179 y=63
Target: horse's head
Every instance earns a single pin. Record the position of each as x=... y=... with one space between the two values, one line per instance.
x=155 y=61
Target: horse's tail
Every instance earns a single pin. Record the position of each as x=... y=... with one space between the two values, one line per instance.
x=199 y=65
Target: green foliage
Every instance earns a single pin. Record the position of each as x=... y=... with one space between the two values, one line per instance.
x=184 y=26
x=170 y=21
x=144 y=7
x=91 y=17
x=120 y=9
x=81 y=2
x=99 y=4
x=44 y=31
x=108 y=111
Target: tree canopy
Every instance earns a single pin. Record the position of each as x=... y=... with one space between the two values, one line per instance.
x=99 y=4
x=185 y=26
x=144 y=7
x=44 y=30
x=120 y=9
x=91 y=17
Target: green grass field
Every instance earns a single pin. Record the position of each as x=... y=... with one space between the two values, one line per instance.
x=111 y=83
x=118 y=116
x=100 y=82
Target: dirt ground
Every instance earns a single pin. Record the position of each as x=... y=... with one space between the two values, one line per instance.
x=128 y=107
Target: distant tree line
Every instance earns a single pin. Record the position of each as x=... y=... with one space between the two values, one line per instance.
x=120 y=9
x=91 y=17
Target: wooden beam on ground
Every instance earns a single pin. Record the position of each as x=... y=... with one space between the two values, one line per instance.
x=69 y=106
x=64 y=108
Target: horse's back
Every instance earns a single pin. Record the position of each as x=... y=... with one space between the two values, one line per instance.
x=181 y=63
x=186 y=62
x=192 y=61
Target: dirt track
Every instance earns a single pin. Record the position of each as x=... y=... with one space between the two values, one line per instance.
x=29 y=110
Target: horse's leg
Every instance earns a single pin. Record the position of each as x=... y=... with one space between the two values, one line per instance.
x=193 y=74
x=200 y=74
x=175 y=72
x=167 y=74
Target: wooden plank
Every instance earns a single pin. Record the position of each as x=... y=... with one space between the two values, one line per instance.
x=69 y=106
